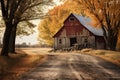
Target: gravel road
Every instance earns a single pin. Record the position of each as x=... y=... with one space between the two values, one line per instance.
x=73 y=66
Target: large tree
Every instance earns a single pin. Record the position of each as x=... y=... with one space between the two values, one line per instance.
x=24 y=28
x=15 y=11
x=107 y=14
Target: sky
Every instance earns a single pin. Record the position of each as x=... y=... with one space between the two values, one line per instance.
x=32 y=39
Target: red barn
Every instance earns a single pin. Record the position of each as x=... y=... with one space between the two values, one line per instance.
x=78 y=31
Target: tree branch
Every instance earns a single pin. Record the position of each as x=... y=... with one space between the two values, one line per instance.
x=3 y=9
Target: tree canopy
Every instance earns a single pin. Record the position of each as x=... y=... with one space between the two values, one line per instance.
x=52 y=23
x=15 y=11
x=104 y=13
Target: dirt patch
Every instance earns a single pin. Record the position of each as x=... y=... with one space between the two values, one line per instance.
x=16 y=64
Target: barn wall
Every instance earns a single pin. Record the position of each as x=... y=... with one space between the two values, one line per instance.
x=63 y=42
x=92 y=41
x=55 y=43
x=100 y=43
x=67 y=42
x=80 y=37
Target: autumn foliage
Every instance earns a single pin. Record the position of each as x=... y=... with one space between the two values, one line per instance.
x=104 y=14
x=51 y=24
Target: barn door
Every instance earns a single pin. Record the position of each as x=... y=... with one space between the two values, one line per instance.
x=85 y=43
x=72 y=41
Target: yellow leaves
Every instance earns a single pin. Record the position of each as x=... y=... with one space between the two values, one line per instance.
x=54 y=22
x=50 y=25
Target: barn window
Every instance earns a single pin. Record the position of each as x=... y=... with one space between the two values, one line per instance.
x=60 y=41
x=71 y=19
x=85 y=40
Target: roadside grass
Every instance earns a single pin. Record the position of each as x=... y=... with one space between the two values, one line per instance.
x=12 y=67
x=111 y=56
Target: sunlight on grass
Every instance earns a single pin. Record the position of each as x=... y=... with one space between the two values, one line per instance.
x=16 y=64
x=112 y=56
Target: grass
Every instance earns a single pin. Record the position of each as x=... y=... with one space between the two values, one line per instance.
x=111 y=56
x=16 y=64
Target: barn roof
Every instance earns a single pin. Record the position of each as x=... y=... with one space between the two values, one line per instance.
x=85 y=22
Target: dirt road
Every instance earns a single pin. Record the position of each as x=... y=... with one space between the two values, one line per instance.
x=73 y=66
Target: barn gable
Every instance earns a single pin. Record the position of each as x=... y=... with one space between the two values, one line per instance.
x=80 y=20
x=69 y=26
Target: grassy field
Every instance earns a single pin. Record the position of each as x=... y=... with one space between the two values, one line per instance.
x=16 y=64
x=111 y=56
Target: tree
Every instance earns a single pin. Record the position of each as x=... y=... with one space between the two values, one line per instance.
x=23 y=28
x=15 y=11
x=106 y=13
x=45 y=32
x=51 y=24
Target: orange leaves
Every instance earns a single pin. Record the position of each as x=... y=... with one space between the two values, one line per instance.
x=54 y=21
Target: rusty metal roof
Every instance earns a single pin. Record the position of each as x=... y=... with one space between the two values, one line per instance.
x=86 y=21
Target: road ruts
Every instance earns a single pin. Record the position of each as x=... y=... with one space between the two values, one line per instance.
x=55 y=68
x=73 y=66
x=93 y=68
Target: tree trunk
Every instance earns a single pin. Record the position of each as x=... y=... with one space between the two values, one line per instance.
x=112 y=40
x=6 y=39
x=105 y=35
x=12 y=40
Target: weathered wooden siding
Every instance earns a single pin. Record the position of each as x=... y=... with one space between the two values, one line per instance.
x=100 y=43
